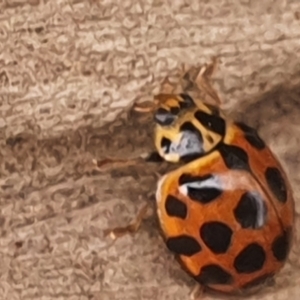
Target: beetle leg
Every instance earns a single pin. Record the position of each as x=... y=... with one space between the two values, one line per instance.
x=144 y=107
x=131 y=228
x=114 y=163
x=197 y=292
x=203 y=81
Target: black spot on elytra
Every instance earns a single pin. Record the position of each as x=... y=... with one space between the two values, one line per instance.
x=175 y=207
x=187 y=101
x=211 y=122
x=276 y=184
x=197 y=189
x=250 y=259
x=164 y=117
x=183 y=245
x=216 y=236
x=165 y=143
x=251 y=136
x=235 y=158
x=258 y=281
x=188 y=178
x=213 y=274
x=251 y=211
x=281 y=246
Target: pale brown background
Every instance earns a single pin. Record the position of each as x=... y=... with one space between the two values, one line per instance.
x=69 y=67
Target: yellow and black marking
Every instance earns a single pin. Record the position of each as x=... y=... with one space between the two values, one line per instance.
x=186 y=128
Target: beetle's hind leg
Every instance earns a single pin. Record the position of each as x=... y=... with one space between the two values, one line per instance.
x=131 y=228
x=197 y=292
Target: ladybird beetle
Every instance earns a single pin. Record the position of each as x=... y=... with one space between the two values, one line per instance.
x=228 y=212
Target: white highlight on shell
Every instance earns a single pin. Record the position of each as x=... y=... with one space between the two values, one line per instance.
x=261 y=212
x=212 y=182
x=226 y=182
x=230 y=182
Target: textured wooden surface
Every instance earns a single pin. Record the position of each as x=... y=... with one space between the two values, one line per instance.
x=55 y=206
x=68 y=67
x=66 y=64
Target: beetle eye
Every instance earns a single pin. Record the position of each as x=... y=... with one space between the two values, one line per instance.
x=164 y=117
